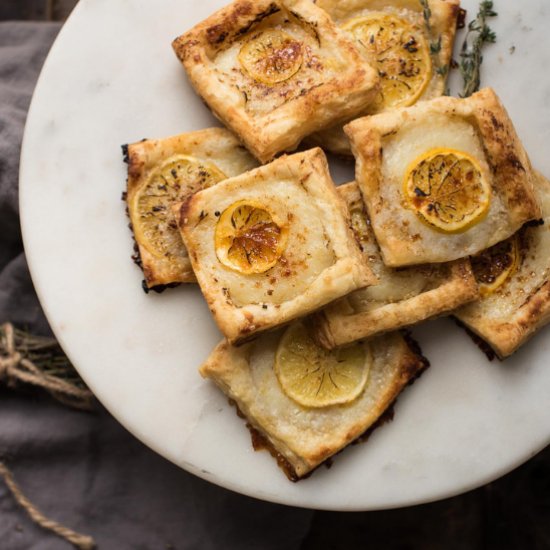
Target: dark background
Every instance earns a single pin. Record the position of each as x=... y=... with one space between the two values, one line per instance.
x=108 y=485
x=36 y=10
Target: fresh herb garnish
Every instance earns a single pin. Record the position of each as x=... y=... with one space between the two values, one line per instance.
x=435 y=47
x=479 y=33
x=427 y=14
x=435 y=43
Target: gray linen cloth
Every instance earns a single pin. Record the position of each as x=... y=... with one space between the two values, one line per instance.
x=85 y=471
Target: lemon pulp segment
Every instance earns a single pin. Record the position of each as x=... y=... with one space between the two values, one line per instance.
x=494 y=266
x=399 y=51
x=271 y=57
x=176 y=178
x=248 y=238
x=447 y=190
x=315 y=377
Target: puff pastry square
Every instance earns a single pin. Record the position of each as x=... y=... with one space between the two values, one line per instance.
x=401 y=297
x=212 y=149
x=388 y=144
x=506 y=318
x=275 y=71
x=301 y=437
x=319 y=260
x=435 y=46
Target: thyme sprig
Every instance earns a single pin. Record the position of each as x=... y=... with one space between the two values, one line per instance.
x=435 y=44
x=479 y=33
x=427 y=12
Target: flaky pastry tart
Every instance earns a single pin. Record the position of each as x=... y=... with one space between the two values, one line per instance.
x=162 y=172
x=275 y=71
x=307 y=403
x=409 y=44
x=401 y=297
x=443 y=179
x=272 y=244
x=514 y=278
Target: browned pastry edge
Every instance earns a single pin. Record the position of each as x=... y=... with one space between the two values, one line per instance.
x=411 y=373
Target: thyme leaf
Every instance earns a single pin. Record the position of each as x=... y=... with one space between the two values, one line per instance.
x=427 y=12
x=479 y=33
x=435 y=43
x=435 y=47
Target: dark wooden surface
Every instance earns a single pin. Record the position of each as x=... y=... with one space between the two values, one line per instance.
x=511 y=513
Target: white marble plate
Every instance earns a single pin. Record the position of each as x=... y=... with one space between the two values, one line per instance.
x=111 y=78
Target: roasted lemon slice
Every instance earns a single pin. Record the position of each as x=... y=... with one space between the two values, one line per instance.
x=271 y=57
x=315 y=377
x=494 y=266
x=249 y=238
x=177 y=177
x=447 y=189
x=399 y=51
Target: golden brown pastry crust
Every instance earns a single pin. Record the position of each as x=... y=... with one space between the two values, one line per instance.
x=442 y=288
x=321 y=262
x=507 y=318
x=338 y=80
x=443 y=22
x=216 y=146
x=307 y=437
x=405 y=240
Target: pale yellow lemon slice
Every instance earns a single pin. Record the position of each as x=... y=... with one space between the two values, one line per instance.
x=399 y=51
x=177 y=177
x=494 y=266
x=315 y=377
x=249 y=238
x=271 y=57
x=447 y=189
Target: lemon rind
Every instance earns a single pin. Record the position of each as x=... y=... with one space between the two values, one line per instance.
x=404 y=25
x=314 y=401
x=139 y=231
x=449 y=228
x=221 y=253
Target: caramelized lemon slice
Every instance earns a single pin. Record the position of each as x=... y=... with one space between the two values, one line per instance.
x=271 y=57
x=315 y=377
x=447 y=189
x=494 y=266
x=400 y=53
x=248 y=238
x=173 y=180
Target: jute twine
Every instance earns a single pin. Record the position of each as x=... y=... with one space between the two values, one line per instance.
x=83 y=542
x=15 y=367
